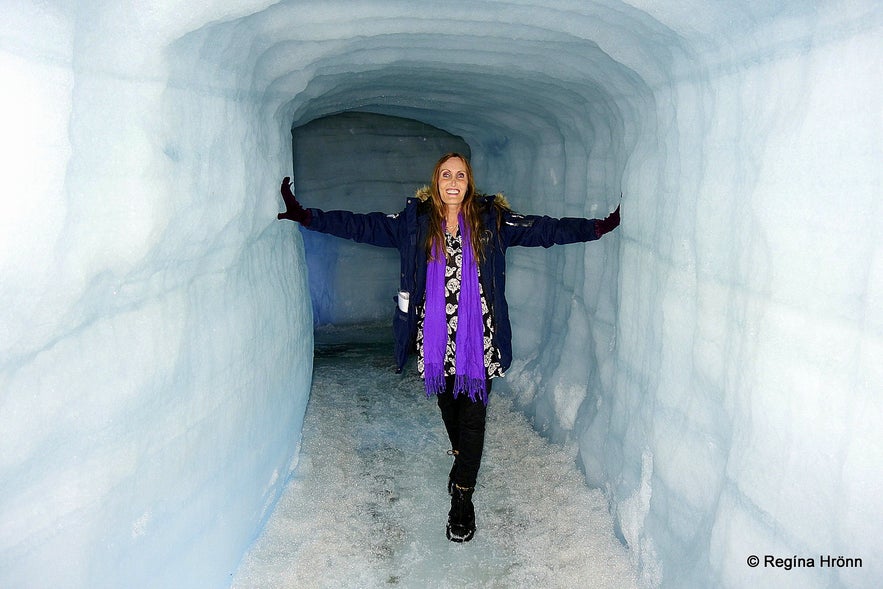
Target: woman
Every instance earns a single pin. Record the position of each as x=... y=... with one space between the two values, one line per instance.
x=452 y=304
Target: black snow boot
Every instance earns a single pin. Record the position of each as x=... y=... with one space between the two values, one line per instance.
x=453 y=472
x=461 y=518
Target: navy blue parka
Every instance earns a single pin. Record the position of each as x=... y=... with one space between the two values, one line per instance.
x=407 y=232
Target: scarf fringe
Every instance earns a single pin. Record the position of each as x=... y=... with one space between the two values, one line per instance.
x=475 y=388
x=434 y=379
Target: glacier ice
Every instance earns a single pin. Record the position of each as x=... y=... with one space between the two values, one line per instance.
x=716 y=360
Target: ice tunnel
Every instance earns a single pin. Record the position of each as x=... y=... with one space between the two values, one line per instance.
x=717 y=359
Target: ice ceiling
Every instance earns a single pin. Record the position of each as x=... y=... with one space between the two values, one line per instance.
x=717 y=360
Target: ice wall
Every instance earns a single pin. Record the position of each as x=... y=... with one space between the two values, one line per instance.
x=717 y=358
x=156 y=332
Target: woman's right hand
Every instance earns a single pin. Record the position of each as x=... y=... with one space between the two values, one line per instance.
x=294 y=211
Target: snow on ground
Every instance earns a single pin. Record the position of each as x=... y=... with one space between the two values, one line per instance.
x=367 y=503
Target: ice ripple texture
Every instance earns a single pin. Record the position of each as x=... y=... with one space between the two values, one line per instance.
x=716 y=360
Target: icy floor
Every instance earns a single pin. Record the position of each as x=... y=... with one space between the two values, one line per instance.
x=367 y=504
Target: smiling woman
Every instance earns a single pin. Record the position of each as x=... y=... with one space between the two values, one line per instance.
x=453 y=178
x=452 y=245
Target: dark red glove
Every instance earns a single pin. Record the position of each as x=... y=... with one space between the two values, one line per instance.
x=294 y=211
x=607 y=225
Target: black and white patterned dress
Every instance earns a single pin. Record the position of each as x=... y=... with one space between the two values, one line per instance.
x=453 y=272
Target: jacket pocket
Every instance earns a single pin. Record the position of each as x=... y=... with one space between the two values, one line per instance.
x=401 y=331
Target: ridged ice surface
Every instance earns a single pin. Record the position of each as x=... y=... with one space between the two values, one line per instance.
x=716 y=360
x=367 y=503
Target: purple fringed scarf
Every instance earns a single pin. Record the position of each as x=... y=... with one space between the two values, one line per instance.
x=470 y=374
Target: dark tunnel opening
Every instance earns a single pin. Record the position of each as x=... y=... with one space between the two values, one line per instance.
x=362 y=162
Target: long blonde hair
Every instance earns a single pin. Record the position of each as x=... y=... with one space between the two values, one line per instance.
x=469 y=208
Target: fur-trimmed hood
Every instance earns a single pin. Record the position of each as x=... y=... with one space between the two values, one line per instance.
x=423 y=194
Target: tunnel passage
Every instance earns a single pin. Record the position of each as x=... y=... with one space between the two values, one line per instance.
x=736 y=312
x=361 y=162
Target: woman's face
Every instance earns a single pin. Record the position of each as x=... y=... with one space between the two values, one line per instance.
x=453 y=181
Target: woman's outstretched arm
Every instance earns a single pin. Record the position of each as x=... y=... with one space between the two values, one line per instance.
x=377 y=229
x=537 y=231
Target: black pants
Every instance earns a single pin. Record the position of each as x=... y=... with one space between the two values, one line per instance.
x=464 y=419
